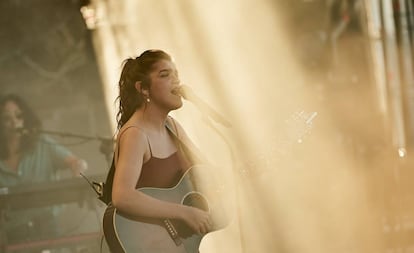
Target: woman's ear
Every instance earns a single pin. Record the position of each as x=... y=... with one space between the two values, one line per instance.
x=138 y=87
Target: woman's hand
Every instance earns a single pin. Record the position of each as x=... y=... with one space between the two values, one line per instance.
x=197 y=219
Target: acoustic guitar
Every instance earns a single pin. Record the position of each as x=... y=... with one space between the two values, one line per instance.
x=143 y=235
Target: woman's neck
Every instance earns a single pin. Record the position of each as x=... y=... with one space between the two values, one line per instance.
x=151 y=118
x=13 y=145
x=14 y=154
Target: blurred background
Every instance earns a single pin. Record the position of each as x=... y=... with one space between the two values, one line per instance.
x=320 y=95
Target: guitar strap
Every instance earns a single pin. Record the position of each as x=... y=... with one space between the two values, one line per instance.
x=105 y=193
x=192 y=155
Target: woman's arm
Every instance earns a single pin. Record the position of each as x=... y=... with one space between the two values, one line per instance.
x=63 y=157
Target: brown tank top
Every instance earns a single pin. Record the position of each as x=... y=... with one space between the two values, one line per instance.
x=162 y=172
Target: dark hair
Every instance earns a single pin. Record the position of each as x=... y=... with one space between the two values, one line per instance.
x=31 y=121
x=134 y=70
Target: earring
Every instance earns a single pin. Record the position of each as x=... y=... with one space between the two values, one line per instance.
x=148 y=99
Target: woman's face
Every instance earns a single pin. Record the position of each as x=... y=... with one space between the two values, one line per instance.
x=164 y=78
x=11 y=117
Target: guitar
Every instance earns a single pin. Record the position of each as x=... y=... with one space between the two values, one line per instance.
x=125 y=234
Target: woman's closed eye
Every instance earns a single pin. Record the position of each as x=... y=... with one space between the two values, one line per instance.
x=168 y=73
x=165 y=73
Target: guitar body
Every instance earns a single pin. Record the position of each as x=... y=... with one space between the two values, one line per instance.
x=142 y=235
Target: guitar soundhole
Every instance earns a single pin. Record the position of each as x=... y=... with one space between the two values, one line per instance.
x=193 y=199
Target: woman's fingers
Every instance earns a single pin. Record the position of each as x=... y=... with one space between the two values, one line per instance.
x=205 y=226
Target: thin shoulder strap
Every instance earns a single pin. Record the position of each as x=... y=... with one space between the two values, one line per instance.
x=119 y=137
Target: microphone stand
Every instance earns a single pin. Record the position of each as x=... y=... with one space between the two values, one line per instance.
x=236 y=172
x=106 y=146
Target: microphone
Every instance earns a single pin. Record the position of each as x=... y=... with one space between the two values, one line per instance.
x=188 y=94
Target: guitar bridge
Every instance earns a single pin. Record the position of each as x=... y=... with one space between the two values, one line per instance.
x=172 y=232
